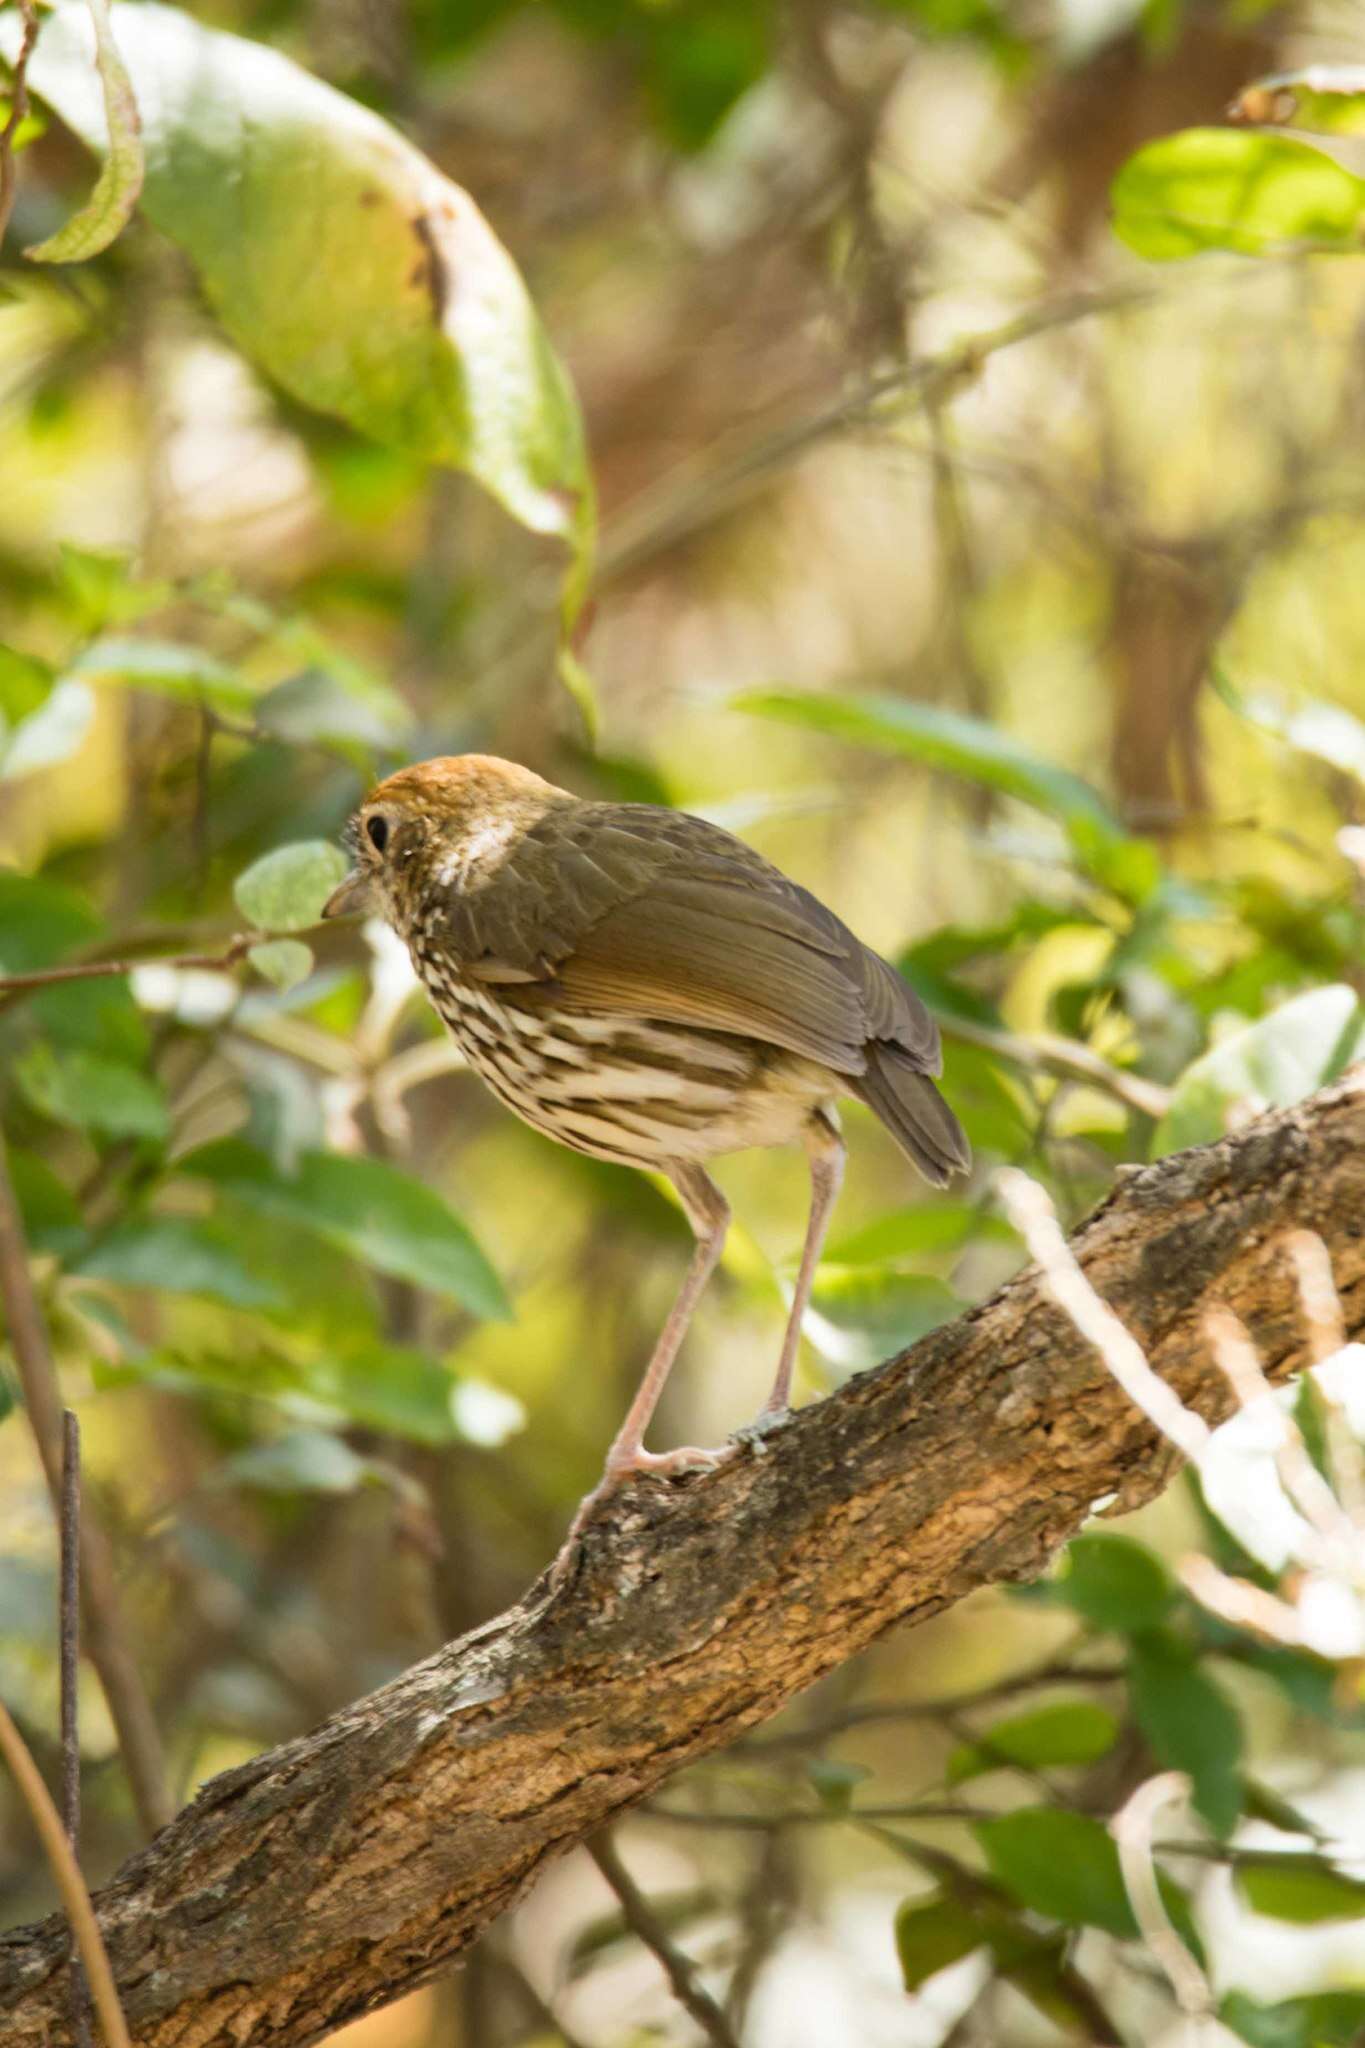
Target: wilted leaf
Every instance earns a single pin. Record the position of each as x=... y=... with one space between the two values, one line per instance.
x=91 y=1093
x=1113 y=1583
x=1304 y=1889
x=367 y=1208
x=1068 y=1732
x=1271 y=1064
x=175 y=1255
x=1328 y=99
x=1221 y=188
x=284 y=891
x=283 y=962
x=110 y=206
x=336 y=254
x=1190 y=1725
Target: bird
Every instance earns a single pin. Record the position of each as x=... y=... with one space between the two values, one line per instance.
x=642 y=986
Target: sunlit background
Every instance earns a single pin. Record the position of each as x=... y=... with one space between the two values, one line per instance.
x=1132 y=541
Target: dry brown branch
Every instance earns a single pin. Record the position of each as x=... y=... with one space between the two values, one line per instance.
x=234 y=951
x=105 y=1635
x=329 y=1875
x=70 y=1884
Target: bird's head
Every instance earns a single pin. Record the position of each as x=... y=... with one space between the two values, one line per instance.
x=439 y=825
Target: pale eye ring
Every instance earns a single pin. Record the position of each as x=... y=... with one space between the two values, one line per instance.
x=377 y=831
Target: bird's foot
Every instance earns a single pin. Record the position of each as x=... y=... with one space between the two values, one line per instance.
x=662 y=1464
x=765 y=1424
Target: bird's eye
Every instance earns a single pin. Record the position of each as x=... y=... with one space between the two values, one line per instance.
x=377 y=832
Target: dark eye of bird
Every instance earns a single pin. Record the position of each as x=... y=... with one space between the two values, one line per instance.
x=377 y=832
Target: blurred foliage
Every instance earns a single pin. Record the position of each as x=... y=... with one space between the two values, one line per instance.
x=1039 y=655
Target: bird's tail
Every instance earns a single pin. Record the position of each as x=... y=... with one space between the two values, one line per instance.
x=914 y=1112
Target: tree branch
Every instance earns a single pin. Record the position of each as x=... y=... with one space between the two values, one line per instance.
x=329 y=1875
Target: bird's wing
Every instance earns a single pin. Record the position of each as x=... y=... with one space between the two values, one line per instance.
x=638 y=911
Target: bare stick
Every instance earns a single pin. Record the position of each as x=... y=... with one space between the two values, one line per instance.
x=1326 y=1326
x=91 y=970
x=1033 y=1216
x=70 y=1651
x=70 y=1883
x=679 y=1969
x=1236 y=1355
x=106 y=1638
x=18 y=109
x=1132 y=1828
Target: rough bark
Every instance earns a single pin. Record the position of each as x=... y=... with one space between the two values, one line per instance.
x=339 y=1870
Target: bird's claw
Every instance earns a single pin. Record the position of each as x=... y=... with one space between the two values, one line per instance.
x=754 y=1435
x=659 y=1464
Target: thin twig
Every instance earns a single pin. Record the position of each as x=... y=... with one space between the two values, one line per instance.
x=1045 y=1053
x=1132 y=1828
x=69 y=1638
x=106 y=1639
x=679 y=1968
x=70 y=1883
x=18 y=110
x=1339 y=1543
x=1032 y=1214
x=90 y=970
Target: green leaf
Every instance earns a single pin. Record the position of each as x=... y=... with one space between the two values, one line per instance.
x=980 y=753
x=1190 y=1725
x=25 y=683
x=834 y=1783
x=1325 y=2019
x=932 y=1934
x=110 y=206
x=1273 y=1063
x=284 y=962
x=860 y=1313
x=165 y=668
x=336 y=255
x=1061 y=1864
x=916 y=1233
x=1328 y=732
x=1304 y=1889
x=403 y=1392
x=317 y=704
x=304 y=1461
x=175 y=1255
x=1220 y=188
x=99 y=582
x=49 y=735
x=1069 y=1732
x=367 y=1208
x=284 y=891
x=92 y=1093
x=52 y=1219
x=1113 y=1583
x=40 y=922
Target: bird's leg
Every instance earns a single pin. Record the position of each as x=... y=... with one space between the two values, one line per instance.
x=827 y=1153
x=709 y=1214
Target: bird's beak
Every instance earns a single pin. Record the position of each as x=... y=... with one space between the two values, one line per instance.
x=350 y=896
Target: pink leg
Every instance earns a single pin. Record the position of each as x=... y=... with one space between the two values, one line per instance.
x=827 y=1154
x=709 y=1214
